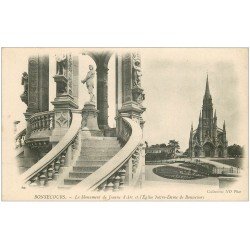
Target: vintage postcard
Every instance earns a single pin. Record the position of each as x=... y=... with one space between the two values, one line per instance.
x=125 y=124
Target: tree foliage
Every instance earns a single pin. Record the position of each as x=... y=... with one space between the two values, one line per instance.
x=235 y=151
x=174 y=146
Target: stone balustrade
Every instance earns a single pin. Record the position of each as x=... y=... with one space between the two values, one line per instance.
x=20 y=139
x=50 y=166
x=117 y=181
x=42 y=121
x=52 y=170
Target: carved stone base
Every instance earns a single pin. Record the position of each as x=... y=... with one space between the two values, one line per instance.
x=63 y=106
x=64 y=102
x=89 y=119
x=133 y=111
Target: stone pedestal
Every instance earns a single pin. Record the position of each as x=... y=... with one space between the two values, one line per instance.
x=89 y=119
x=63 y=104
x=133 y=111
x=66 y=79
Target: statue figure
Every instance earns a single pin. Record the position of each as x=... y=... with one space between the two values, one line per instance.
x=25 y=83
x=136 y=72
x=61 y=62
x=89 y=79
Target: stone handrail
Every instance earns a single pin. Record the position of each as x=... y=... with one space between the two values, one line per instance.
x=111 y=176
x=48 y=167
x=42 y=121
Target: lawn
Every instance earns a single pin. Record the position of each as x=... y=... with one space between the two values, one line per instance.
x=177 y=173
x=235 y=162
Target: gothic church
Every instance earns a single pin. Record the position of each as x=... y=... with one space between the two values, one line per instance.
x=208 y=140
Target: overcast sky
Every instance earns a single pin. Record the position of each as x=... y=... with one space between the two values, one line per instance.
x=174 y=83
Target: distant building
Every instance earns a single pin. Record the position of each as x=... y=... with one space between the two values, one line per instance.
x=158 y=152
x=158 y=149
x=208 y=140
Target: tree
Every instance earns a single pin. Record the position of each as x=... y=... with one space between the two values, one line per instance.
x=174 y=145
x=235 y=150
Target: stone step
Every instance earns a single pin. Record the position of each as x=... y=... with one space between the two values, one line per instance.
x=96 y=133
x=88 y=165
x=96 y=161
x=93 y=138
x=100 y=147
x=72 y=181
x=81 y=175
x=109 y=143
x=85 y=169
x=63 y=186
x=93 y=150
x=95 y=157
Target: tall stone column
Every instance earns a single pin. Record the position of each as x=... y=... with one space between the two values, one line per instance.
x=75 y=79
x=36 y=96
x=132 y=92
x=102 y=95
x=66 y=79
x=118 y=68
x=38 y=84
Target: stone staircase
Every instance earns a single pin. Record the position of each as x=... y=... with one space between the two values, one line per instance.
x=95 y=152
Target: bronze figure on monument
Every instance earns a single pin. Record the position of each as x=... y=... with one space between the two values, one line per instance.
x=89 y=80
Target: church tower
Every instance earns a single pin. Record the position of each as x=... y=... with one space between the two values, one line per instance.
x=207 y=113
x=208 y=140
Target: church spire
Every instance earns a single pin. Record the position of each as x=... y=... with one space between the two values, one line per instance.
x=224 y=126
x=191 y=135
x=215 y=116
x=207 y=92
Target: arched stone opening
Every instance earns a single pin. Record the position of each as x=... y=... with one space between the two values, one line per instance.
x=197 y=151
x=208 y=149
x=101 y=59
x=220 y=151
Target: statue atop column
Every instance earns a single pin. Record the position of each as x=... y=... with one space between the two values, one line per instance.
x=137 y=73
x=25 y=83
x=61 y=62
x=89 y=80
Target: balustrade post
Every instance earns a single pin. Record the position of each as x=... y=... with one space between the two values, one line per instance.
x=116 y=183
x=34 y=181
x=57 y=166
x=50 y=173
x=102 y=187
x=109 y=186
x=42 y=180
x=122 y=173
x=129 y=172
x=63 y=160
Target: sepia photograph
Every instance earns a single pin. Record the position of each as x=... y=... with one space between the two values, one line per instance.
x=125 y=124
